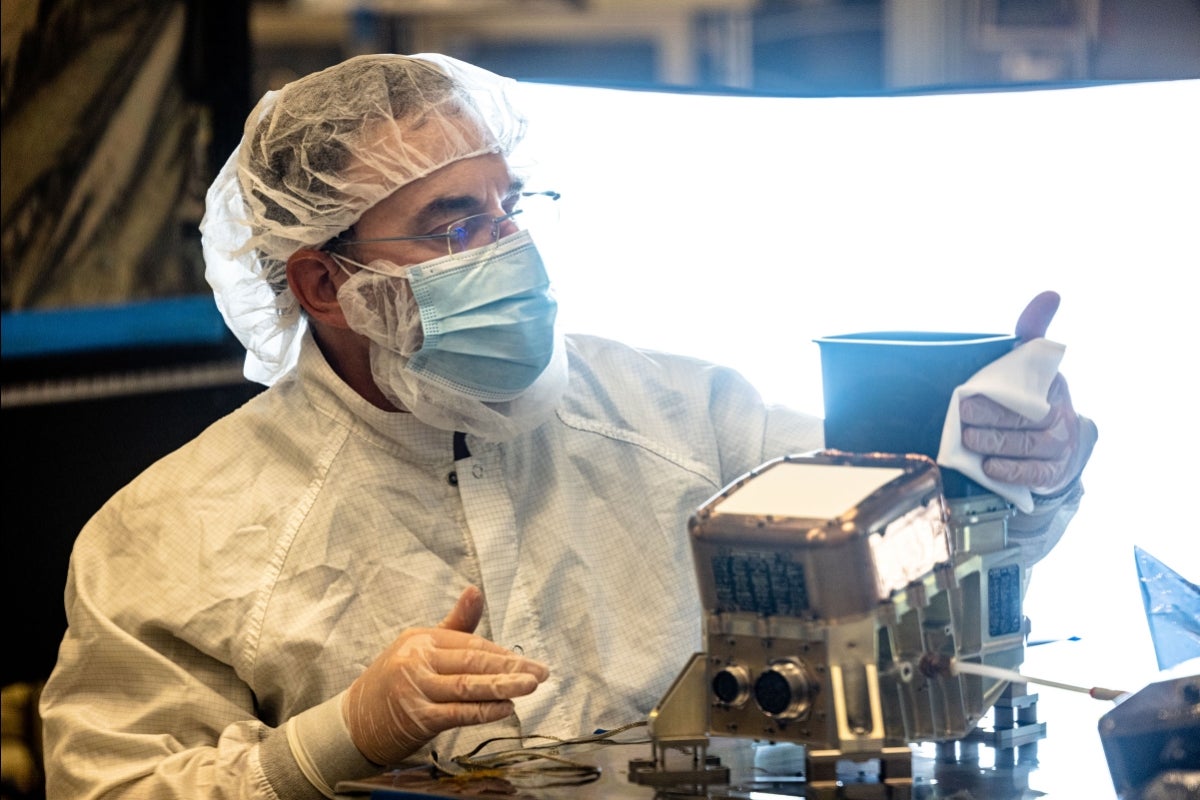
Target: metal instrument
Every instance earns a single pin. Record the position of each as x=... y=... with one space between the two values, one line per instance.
x=837 y=589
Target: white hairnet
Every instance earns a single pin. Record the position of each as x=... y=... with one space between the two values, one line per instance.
x=317 y=154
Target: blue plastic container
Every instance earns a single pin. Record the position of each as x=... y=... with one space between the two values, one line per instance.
x=888 y=391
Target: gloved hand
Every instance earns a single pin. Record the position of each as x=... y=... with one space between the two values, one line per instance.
x=432 y=679
x=1045 y=454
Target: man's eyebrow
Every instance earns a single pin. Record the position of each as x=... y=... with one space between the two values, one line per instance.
x=458 y=206
x=463 y=205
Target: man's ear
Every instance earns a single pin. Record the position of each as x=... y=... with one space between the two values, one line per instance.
x=314 y=278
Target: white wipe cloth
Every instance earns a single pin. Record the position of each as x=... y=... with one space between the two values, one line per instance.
x=1019 y=381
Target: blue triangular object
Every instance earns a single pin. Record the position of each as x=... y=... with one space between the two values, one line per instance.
x=1172 y=609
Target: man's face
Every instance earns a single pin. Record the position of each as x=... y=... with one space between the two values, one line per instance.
x=479 y=185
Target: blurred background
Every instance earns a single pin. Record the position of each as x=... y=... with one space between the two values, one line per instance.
x=739 y=177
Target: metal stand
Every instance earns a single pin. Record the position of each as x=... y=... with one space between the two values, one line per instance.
x=895 y=776
x=1014 y=738
x=1016 y=730
x=678 y=723
x=655 y=771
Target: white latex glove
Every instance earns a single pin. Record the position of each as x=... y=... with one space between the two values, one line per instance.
x=432 y=679
x=1044 y=454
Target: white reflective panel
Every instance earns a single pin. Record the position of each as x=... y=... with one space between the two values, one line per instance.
x=807 y=491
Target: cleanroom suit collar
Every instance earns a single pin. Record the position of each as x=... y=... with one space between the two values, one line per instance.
x=398 y=431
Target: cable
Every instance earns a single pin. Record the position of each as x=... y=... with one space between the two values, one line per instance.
x=512 y=765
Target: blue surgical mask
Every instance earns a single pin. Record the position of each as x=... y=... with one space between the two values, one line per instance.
x=486 y=317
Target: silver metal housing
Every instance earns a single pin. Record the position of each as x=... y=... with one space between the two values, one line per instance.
x=837 y=588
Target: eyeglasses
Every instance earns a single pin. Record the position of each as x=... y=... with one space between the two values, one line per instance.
x=468 y=233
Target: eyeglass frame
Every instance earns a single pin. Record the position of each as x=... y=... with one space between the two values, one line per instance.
x=338 y=242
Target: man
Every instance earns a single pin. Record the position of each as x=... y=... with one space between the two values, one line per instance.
x=252 y=616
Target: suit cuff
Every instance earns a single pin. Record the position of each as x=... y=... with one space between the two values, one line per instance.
x=324 y=752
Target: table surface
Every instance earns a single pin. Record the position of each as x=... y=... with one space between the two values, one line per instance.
x=1068 y=763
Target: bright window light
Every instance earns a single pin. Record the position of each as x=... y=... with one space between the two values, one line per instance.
x=738 y=229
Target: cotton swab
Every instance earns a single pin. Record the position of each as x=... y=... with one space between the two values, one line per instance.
x=971 y=668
